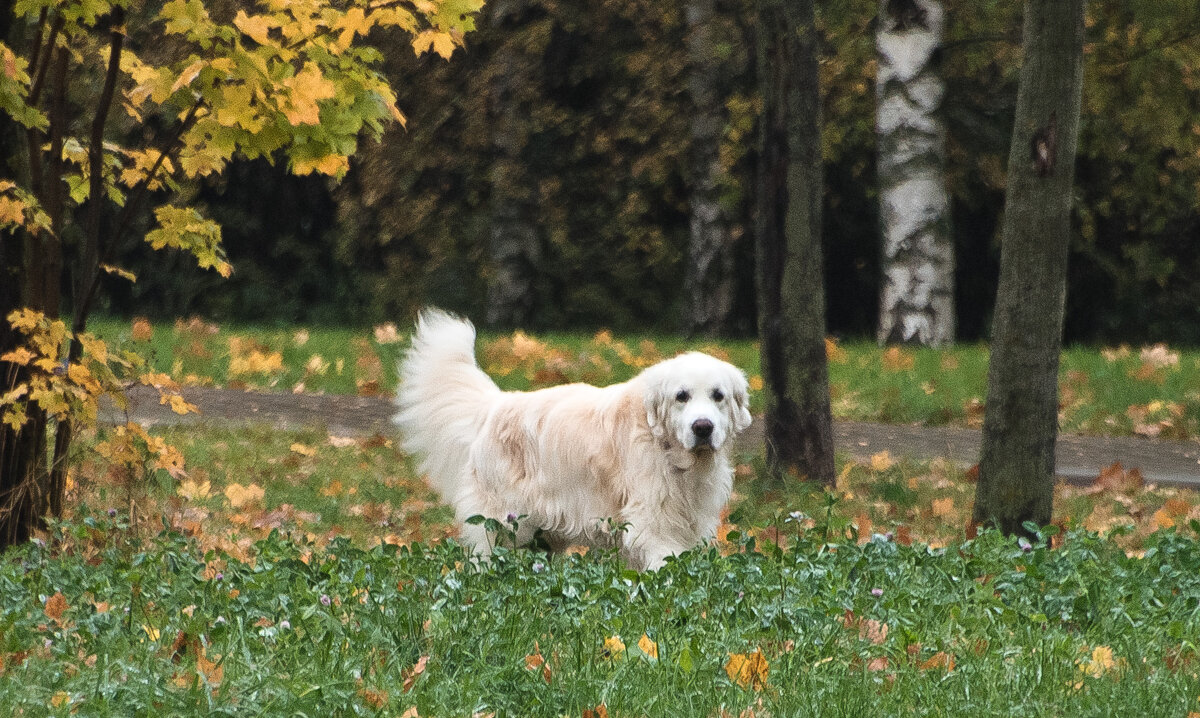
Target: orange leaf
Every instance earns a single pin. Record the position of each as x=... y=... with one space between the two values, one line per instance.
x=941 y=659
x=943 y=507
x=410 y=675
x=55 y=606
x=142 y=330
x=648 y=647
x=748 y=670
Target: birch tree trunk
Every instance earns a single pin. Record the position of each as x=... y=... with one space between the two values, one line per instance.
x=916 y=302
x=708 y=281
x=791 y=288
x=514 y=241
x=1016 y=467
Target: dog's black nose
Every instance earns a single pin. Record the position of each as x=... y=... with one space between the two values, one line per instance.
x=702 y=428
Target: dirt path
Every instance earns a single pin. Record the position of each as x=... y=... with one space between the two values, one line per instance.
x=1079 y=458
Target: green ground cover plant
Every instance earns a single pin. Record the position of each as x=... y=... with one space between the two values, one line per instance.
x=1148 y=391
x=96 y=624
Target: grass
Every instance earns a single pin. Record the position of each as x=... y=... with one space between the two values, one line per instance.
x=827 y=628
x=1117 y=391
x=306 y=573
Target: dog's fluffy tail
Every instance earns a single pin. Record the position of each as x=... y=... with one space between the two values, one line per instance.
x=443 y=398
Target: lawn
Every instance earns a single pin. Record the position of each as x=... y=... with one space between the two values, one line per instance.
x=307 y=573
x=1148 y=391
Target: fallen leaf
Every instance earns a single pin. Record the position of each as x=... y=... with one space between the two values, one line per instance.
x=142 y=331
x=941 y=660
x=410 y=675
x=240 y=496
x=303 y=449
x=648 y=647
x=943 y=507
x=613 y=649
x=882 y=461
x=55 y=606
x=748 y=670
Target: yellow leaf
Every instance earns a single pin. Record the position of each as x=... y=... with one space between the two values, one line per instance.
x=834 y=352
x=179 y=405
x=1163 y=519
x=648 y=647
x=333 y=489
x=306 y=88
x=19 y=356
x=60 y=699
x=440 y=42
x=239 y=495
x=151 y=632
x=748 y=670
x=303 y=449
x=756 y=383
x=1100 y=662
x=614 y=648
x=190 y=73
x=330 y=165
x=257 y=27
x=943 y=507
x=882 y=461
x=192 y=490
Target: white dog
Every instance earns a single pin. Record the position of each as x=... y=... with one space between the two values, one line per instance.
x=651 y=454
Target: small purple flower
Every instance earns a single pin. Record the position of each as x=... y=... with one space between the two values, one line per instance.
x=511 y=518
x=538 y=567
x=112 y=512
x=219 y=577
x=876 y=592
x=1025 y=545
x=325 y=601
x=285 y=625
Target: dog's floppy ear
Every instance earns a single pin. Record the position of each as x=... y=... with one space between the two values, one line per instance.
x=656 y=403
x=739 y=406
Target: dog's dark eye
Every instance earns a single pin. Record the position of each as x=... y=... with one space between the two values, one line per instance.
x=682 y=396
x=717 y=395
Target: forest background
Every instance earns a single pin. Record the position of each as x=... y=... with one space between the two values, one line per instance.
x=598 y=156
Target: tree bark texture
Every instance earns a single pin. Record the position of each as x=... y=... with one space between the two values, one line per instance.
x=791 y=289
x=514 y=242
x=1016 y=468
x=916 y=300
x=708 y=281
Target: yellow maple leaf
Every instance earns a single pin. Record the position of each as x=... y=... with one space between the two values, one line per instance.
x=240 y=496
x=882 y=461
x=1100 y=662
x=178 y=404
x=613 y=649
x=257 y=27
x=943 y=507
x=303 y=449
x=19 y=356
x=193 y=490
x=648 y=647
x=333 y=165
x=748 y=670
x=305 y=89
x=440 y=42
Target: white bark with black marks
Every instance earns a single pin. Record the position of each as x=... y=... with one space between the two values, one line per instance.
x=917 y=295
x=708 y=281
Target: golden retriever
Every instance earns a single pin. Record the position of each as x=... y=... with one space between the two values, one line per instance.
x=650 y=455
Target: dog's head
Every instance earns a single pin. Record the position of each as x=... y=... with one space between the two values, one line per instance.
x=696 y=401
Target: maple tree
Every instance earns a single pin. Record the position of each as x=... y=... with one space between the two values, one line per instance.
x=203 y=84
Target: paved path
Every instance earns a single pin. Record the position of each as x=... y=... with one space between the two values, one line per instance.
x=1079 y=458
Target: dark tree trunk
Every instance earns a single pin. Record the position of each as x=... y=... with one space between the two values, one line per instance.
x=514 y=242
x=1016 y=468
x=708 y=281
x=791 y=290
